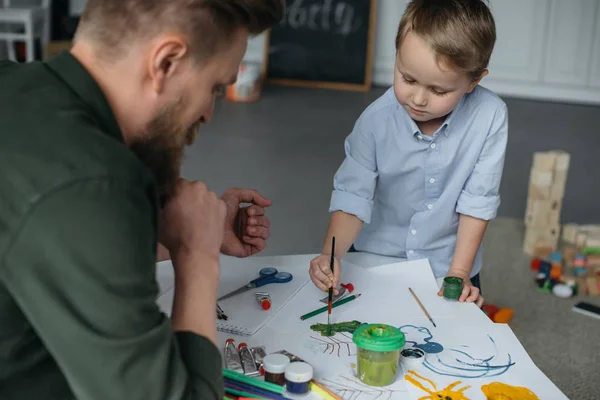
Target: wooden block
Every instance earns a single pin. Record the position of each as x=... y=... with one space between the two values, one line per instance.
x=592 y=286
x=569 y=253
x=592 y=240
x=582 y=286
x=541 y=251
x=538 y=238
x=593 y=260
x=580 y=239
x=544 y=161
x=563 y=160
x=537 y=192
x=559 y=183
x=569 y=232
x=541 y=177
x=542 y=213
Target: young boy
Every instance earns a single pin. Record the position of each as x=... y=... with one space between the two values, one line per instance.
x=424 y=162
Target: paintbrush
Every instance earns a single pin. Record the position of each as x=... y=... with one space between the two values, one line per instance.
x=422 y=307
x=331 y=288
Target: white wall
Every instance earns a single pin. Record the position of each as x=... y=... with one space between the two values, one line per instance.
x=546 y=49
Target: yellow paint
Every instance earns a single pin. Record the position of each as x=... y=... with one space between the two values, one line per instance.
x=447 y=393
x=501 y=391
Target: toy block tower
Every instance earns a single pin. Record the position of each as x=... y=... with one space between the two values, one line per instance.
x=547 y=182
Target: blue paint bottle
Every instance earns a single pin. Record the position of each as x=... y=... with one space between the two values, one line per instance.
x=297 y=377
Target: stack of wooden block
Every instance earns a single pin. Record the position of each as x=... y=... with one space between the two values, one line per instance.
x=547 y=182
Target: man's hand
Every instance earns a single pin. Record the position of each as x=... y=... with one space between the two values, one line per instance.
x=470 y=293
x=246 y=228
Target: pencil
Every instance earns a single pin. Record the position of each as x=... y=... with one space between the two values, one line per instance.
x=322 y=391
x=324 y=309
x=422 y=307
x=331 y=288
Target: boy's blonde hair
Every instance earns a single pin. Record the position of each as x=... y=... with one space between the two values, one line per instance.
x=461 y=32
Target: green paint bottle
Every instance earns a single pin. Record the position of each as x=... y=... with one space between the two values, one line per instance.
x=453 y=287
x=378 y=353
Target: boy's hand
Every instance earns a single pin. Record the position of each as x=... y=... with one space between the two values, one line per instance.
x=470 y=293
x=321 y=275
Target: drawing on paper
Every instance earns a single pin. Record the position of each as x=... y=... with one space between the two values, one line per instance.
x=340 y=345
x=502 y=391
x=448 y=393
x=353 y=389
x=332 y=329
x=458 y=363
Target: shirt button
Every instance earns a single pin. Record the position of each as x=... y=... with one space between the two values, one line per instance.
x=430 y=206
x=414 y=232
x=432 y=180
x=420 y=137
x=433 y=145
x=411 y=251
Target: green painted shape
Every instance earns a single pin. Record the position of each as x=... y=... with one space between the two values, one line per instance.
x=331 y=330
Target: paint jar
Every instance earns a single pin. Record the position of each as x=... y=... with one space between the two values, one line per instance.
x=298 y=376
x=378 y=353
x=274 y=367
x=453 y=287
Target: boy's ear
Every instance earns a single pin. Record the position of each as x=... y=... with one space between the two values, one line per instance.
x=476 y=81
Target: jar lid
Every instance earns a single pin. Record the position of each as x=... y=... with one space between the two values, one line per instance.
x=275 y=363
x=379 y=337
x=298 y=372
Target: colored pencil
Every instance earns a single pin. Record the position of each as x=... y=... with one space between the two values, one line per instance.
x=242 y=394
x=252 y=389
x=324 y=309
x=331 y=288
x=248 y=380
x=422 y=307
x=322 y=391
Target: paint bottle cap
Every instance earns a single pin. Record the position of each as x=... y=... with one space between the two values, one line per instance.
x=265 y=304
x=378 y=337
x=275 y=363
x=412 y=357
x=298 y=372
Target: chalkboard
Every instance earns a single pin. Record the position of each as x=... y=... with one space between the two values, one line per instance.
x=322 y=43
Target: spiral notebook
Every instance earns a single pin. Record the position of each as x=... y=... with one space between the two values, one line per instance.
x=244 y=314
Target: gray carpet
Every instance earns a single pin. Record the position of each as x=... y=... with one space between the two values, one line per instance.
x=289 y=145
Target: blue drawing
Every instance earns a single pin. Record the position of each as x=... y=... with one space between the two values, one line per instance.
x=455 y=362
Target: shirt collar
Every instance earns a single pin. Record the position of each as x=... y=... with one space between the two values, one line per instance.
x=73 y=73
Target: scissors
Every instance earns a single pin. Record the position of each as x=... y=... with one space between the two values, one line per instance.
x=266 y=276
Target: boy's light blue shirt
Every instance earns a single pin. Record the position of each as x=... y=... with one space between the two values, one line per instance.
x=409 y=188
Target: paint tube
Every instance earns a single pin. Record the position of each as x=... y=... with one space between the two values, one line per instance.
x=232 y=357
x=248 y=362
x=263 y=299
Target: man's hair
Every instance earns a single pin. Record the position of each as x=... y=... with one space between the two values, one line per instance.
x=111 y=25
x=461 y=32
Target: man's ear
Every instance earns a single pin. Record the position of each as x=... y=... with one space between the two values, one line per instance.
x=476 y=81
x=167 y=58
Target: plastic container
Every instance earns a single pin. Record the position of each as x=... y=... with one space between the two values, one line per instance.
x=378 y=353
x=274 y=367
x=298 y=376
x=453 y=287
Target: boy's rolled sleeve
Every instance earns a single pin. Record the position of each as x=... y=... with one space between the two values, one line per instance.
x=480 y=197
x=355 y=181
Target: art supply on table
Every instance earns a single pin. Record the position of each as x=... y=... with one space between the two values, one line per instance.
x=342 y=292
x=324 y=309
x=298 y=376
x=422 y=307
x=274 y=367
x=263 y=299
x=221 y=313
x=232 y=357
x=259 y=354
x=248 y=362
x=291 y=356
x=247 y=380
x=413 y=357
x=453 y=287
x=322 y=391
x=588 y=309
x=265 y=277
x=330 y=300
x=378 y=352
x=249 y=389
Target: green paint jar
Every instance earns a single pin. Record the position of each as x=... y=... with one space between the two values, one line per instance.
x=378 y=353
x=453 y=287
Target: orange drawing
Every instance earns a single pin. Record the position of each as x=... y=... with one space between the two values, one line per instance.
x=501 y=391
x=447 y=393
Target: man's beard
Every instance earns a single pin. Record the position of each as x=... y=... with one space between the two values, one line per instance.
x=161 y=148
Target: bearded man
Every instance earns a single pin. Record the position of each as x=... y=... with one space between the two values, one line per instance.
x=90 y=151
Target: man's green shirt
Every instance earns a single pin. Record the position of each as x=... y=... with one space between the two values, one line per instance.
x=78 y=234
